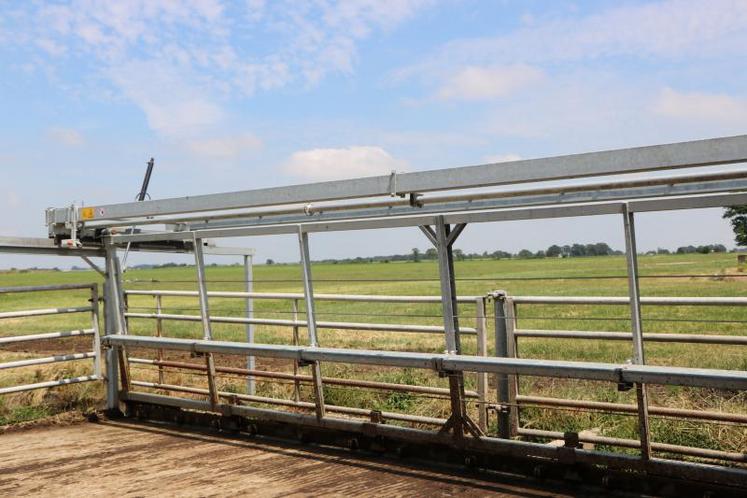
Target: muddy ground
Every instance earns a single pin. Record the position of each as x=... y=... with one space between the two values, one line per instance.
x=113 y=458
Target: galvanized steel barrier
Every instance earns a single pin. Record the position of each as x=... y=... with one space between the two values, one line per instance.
x=93 y=332
x=428 y=202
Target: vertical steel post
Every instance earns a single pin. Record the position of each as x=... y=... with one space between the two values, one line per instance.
x=159 y=333
x=124 y=365
x=110 y=314
x=631 y=256
x=207 y=330
x=308 y=290
x=95 y=326
x=296 y=382
x=482 y=350
x=459 y=419
x=448 y=291
x=504 y=348
x=251 y=363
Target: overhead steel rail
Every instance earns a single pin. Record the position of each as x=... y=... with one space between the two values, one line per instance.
x=711 y=152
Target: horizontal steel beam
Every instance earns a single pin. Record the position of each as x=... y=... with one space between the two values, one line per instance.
x=668 y=186
x=382 y=327
x=388 y=386
x=360 y=412
x=47 y=335
x=531 y=213
x=44 y=312
x=709 y=152
x=32 y=245
x=648 y=374
x=40 y=288
x=605 y=406
x=733 y=340
x=51 y=383
x=318 y=297
x=47 y=360
x=632 y=443
x=664 y=301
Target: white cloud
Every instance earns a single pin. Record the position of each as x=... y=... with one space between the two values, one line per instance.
x=669 y=29
x=348 y=162
x=66 y=136
x=179 y=61
x=484 y=83
x=172 y=104
x=225 y=147
x=695 y=106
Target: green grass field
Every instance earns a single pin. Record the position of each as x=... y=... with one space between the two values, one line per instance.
x=517 y=277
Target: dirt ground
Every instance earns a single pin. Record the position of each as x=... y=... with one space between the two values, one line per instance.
x=135 y=459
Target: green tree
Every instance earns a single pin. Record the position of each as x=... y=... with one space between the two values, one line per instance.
x=415 y=254
x=737 y=216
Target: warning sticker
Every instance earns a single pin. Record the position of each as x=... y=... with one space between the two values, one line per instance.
x=86 y=213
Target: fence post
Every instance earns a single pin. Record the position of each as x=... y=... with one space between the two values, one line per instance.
x=482 y=350
x=631 y=257
x=95 y=326
x=251 y=362
x=308 y=290
x=159 y=333
x=505 y=348
x=296 y=382
x=207 y=329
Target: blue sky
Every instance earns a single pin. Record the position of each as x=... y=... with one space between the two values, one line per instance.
x=238 y=95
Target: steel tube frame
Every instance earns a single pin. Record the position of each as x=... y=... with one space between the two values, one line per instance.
x=631 y=256
x=317 y=297
x=437 y=391
x=60 y=358
x=249 y=329
x=308 y=290
x=380 y=327
x=625 y=408
x=710 y=152
x=45 y=336
x=207 y=330
x=608 y=372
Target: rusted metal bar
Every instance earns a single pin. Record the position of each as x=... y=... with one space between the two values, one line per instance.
x=632 y=443
x=298 y=404
x=298 y=378
x=625 y=408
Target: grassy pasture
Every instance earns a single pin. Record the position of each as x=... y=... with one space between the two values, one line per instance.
x=476 y=277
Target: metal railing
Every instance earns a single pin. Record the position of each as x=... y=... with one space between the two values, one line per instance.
x=447 y=364
x=511 y=400
x=93 y=331
x=507 y=335
x=479 y=330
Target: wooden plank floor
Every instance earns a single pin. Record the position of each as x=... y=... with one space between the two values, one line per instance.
x=132 y=459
